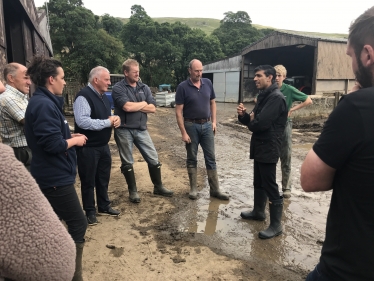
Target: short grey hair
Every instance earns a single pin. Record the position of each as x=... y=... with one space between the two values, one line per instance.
x=11 y=69
x=191 y=63
x=95 y=72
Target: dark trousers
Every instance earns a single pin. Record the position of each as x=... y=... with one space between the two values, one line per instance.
x=317 y=275
x=94 y=164
x=65 y=202
x=265 y=178
x=24 y=155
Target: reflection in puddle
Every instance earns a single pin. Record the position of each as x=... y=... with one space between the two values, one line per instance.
x=306 y=146
x=218 y=225
x=213 y=218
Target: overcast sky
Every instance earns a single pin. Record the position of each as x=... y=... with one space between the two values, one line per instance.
x=328 y=16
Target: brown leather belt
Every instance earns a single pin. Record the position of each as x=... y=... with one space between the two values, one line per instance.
x=198 y=121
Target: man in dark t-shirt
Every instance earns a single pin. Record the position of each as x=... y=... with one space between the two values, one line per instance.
x=343 y=160
x=196 y=117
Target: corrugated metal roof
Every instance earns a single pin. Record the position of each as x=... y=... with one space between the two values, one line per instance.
x=297 y=35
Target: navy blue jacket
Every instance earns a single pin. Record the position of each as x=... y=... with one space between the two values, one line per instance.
x=46 y=131
x=122 y=92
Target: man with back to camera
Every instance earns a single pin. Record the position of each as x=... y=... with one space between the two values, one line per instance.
x=133 y=100
x=196 y=117
x=342 y=160
x=92 y=114
x=13 y=104
x=267 y=122
x=291 y=94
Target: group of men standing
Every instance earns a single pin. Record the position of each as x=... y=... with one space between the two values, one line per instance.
x=341 y=160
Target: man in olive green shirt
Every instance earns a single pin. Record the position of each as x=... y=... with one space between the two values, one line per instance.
x=291 y=94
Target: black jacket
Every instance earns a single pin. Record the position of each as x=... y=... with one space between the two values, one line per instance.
x=122 y=92
x=268 y=125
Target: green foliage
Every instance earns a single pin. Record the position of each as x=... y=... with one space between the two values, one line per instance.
x=111 y=25
x=236 y=32
x=164 y=50
x=78 y=40
x=238 y=17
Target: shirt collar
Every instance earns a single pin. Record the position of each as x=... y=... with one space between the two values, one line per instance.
x=190 y=82
x=16 y=92
x=93 y=89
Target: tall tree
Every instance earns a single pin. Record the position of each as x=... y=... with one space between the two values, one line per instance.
x=111 y=25
x=236 y=32
x=164 y=50
x=78 y=40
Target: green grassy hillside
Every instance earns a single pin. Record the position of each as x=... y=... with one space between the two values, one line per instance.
x=208 y=25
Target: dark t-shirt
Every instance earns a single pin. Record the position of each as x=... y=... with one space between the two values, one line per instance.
x=347 y=144
x=196 y=102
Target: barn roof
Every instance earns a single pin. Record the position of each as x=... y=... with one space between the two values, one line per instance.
x=287 y=38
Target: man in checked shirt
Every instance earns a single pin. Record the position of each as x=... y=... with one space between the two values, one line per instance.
x=13 y=103
x=93 y=119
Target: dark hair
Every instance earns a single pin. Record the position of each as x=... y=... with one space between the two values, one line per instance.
x=268 y=70
x=41 y=68
x=361 y=31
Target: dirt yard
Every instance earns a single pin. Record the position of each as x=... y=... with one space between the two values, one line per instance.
x=179 y=239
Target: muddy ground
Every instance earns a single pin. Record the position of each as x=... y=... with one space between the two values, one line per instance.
x=179 y=239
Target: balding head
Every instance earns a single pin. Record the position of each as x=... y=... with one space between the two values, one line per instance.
x=195 y=69
x=11 y=69
x=15 y=76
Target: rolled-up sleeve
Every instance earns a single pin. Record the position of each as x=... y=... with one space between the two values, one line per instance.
x=82 y=115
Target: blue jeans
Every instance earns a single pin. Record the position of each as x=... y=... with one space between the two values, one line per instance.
x=285 y=156
x=200 y=134
x=316 y=275
x=125 y=140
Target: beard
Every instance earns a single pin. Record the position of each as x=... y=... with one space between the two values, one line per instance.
x=364 y=76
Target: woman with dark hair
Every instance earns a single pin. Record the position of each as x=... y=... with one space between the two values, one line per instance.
x=54 y=159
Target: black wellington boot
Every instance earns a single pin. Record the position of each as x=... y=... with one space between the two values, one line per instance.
x=128 y=172
x=78 y=262
x=159 y=189
x=258 y=212
x=275 y=227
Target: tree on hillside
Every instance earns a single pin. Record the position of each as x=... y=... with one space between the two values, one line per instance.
x=236 y=32
x=111 y=25
x=78 y=40
x=164 y=50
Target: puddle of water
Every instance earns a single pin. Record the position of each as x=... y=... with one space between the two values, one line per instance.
x=218 y=225
x=306 y=146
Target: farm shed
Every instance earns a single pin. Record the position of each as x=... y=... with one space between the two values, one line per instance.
x=225 y=76
x=23 y=32
x=322 y=61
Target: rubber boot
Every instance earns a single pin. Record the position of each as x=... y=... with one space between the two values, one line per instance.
x=159 y=189
x=258 y=212
x=128 y=172
x=214 y=185
x=78 y=262
x=192 y=174
x=275 y=227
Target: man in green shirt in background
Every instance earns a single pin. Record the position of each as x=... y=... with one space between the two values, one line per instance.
x=291 y=94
